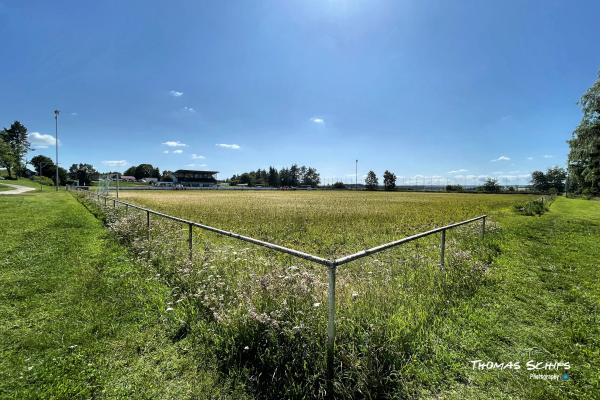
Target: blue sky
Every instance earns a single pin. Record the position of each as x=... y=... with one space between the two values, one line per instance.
x=423 y=88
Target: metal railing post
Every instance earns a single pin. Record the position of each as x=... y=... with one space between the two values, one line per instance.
x=331 y=328
x=114 y=203
x=126 y=208
x=442 y=249
x=147 y=224
x=483 y=227
x=105 y=202
x=190 y=243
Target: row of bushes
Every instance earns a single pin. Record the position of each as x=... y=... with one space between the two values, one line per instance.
x=535 y=207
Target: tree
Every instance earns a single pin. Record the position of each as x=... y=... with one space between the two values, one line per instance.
x=130 y=171
x=584 y=154
x=63 y=176
x=310 y=177
x=553 y=180
x=371 y=181
x=83 y=174
x=491 y=186
x=339 y=185
x=7 y=158
x=294 y=175
x=556 y=177
x=285 y=177
x=167 y=176
x=539 y=181
x=389 y=180
x=144 y=171
x=16 y=139
x=273 y=177
x=42 y=165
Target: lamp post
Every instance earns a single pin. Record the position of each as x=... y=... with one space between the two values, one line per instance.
x=56 y=112
x=356 y=175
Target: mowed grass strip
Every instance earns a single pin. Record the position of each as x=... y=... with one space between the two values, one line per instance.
x=326 y=223
x=541 y=303
x=78 y=319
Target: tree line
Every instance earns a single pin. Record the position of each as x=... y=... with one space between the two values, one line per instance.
x=293 y=176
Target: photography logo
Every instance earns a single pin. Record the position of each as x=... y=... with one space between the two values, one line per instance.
x=539 y=370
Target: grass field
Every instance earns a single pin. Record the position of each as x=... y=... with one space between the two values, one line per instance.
x=83 y=316
x=4 y=187
x=78 y=320
x=324 y=222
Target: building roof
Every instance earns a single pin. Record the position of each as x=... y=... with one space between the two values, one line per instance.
x=186 y=171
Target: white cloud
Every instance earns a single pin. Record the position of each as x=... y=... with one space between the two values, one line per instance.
x=548 y=156
x=317 y=120
x=195 y=165
x=165 y=151
x=74 y=114
x=189 y=110
x=175 y=93
x=228 y=146
x=457 y=171
x=174 y=143
x=501 y=158
x=197 y=157
x=41 y=140
x=179 y=151
x=115 y=163
x=530 y=158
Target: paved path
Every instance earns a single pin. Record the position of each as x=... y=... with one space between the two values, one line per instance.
x=18 y=189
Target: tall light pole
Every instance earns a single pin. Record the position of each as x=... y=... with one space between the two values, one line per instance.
x=356 y=175
x=56 y=112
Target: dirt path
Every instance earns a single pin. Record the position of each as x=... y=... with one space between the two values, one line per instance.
x=18 y=189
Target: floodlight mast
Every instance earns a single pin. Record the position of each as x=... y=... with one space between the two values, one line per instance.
x=356 y=175
x=56 y=112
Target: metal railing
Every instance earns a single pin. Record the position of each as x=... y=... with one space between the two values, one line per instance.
x=331 y=264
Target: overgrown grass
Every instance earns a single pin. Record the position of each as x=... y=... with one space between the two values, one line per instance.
x=262 y=315
x=326 y=223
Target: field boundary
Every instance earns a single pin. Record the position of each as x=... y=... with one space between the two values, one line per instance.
x=331 y=264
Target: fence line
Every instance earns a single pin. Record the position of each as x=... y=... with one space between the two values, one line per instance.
x=330 y=264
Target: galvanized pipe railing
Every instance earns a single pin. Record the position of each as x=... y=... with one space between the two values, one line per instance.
x=377 y=249
x=331 y=264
